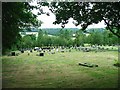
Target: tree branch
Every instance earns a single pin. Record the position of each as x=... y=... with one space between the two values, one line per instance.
x=111 y=28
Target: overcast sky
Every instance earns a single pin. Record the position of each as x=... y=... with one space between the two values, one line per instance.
x=48 y=20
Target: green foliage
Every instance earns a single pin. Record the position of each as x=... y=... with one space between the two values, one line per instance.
x=101 y=38
x=65 y=34
x=96 y=38
x=39 y=39
x=87 y=13
x=27 y=41
x=15 y=16
x=65 y=38
x=80 y=38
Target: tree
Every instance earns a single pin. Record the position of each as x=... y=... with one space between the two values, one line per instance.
x=33 y=40
x=28 y=41
x=87 y=13
x=105 y=37
x=101 y=38
x=112 y=39
x=65 y=36
x=39 y=38
x=15 y=17
x=96 y=38
x=80 y=38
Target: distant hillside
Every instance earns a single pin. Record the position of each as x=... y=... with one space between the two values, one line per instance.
x=95 y=30
x=55 y=31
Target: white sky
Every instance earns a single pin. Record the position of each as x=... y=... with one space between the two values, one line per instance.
x=48 y=20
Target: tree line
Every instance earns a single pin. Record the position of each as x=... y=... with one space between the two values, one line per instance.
x=18 y=15
x=65 y=38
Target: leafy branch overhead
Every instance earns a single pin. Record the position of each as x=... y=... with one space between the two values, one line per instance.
x=87 y=13
x=15 y=16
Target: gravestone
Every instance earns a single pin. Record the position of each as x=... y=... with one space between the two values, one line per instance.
x=44 y=51
x=52 y=52
x=28 y=54
x=12 y=53
x=17 y=54
x=69 y=50
x=31 y=51
x=86 y=50
x=88 y=65
x=102 y=48
x=57 y=50
x=99 y=48
x=22 y=51
x=107 y=48
x=62 y=51
x=41 y=54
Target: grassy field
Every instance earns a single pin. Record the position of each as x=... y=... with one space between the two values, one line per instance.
x=60 y=70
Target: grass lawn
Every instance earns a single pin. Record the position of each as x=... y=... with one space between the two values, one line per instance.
x=60 y=70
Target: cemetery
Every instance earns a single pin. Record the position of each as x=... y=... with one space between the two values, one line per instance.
x=60 y=68
x=60 y=61
x=60 y=44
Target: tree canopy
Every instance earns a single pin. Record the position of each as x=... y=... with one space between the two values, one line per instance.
x=15 y=17
x=87 y=13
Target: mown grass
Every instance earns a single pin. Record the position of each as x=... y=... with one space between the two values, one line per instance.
x=60 y=70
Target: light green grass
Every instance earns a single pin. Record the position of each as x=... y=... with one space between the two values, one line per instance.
x=60 y=70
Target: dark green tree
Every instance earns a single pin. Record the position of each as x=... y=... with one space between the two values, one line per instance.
x=96 y=38
x=105 y=37
x=66 y=37
x=40 y=38
x=15 y=17
x=27 y=41
x=33 y=40
x=112 y=39
x=80 y=38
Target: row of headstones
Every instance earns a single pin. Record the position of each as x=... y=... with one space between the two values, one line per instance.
x=13 y=53
x=87 y=49
x=102 y=47
x=42 y=51
x=52 y=50
x=67 y=49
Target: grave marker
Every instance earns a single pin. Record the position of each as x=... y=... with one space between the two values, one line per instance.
x=41 y=54
x=31 y=51
x=22 y=51
x=12 y=53
x=88 y=65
